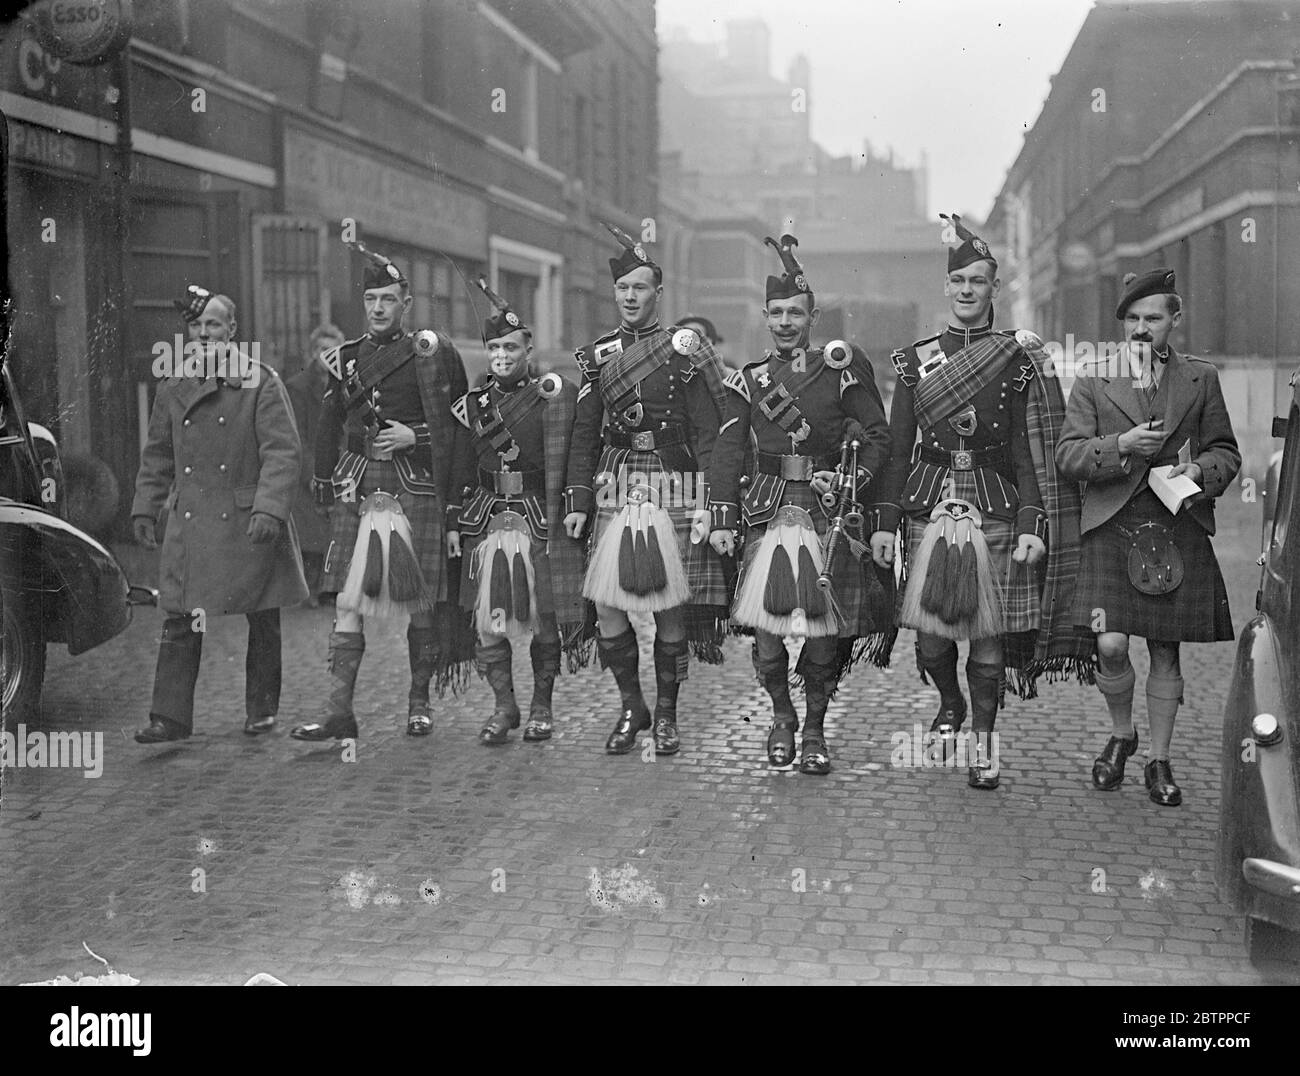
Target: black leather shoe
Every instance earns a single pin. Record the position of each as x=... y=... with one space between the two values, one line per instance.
x=947 y=723
x=497 y=729
x=666 y=739
x=331 y=730
x=623 y=738
x=540 y=725
x=160 y=730
x=255 y=726
x=984 y=772
x=1108 y=770
x=814 y=757
x=780 y=744
x=1160 y=783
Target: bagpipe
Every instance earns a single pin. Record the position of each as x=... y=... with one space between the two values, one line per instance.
x=787 y=584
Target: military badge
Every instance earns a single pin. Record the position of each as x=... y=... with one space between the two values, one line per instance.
x=549 y=386
x=426 y=340
x=512 y=319
x=640 y=253
x=837 y=354
x=686 y=341
x=980 y=246
x=801 y=282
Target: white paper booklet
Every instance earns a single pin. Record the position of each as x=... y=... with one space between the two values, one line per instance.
x=1171 y=491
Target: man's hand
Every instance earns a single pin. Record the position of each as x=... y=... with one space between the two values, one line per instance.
x=723 y=542
x=143 y=529
x=1191 y=470
x=821 y=482
x=1143 y=441
x=322 y=492
x=395 y=438
x=882 y=548
x=263 y=528
x=1029 y=549
x=453 y=543
x=575 y=523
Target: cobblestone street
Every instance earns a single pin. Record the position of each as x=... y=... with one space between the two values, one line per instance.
x=443 y=861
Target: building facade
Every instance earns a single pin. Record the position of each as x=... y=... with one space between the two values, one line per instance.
x=1170 y=138
x=237 y=143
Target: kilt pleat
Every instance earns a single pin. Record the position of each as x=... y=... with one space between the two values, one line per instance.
x=1195 y=612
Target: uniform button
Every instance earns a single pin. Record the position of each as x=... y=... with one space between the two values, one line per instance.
x=186 y=422
x=668 y=411
x=222 y=468
x=189 y=470
x=221 y=420
x=225 y=515
x=189 y=515
x=995 y=425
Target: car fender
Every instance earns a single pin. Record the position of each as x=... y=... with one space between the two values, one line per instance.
x=83 y=592
x=1259 y=802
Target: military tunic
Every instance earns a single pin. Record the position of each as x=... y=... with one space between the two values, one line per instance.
x=417 y=391
x=825 y=399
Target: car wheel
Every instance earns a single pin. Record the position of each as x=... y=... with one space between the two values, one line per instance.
x=22 y=661
x=1273 y=950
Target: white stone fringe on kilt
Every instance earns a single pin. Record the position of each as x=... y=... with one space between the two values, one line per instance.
x=502 y=571
x=952 y=591
x=384 y=578
x=778 y=589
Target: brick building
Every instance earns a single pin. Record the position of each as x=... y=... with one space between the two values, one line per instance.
x=1170 y=136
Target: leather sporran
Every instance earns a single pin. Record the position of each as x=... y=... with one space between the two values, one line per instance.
x=1155 y=566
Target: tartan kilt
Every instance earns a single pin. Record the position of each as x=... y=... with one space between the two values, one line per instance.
x=424 y=513
x=1019 y=585
x=863 y=595
x=702 y=565
x=1195 y=612
x=543 y=588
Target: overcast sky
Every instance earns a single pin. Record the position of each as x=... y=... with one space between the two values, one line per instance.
x=960 y=80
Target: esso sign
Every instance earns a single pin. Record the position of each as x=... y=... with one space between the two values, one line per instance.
x=82 y=31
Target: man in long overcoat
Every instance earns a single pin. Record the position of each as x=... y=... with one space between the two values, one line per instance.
x=221 y=460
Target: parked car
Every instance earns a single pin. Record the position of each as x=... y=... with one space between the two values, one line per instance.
x=57 y=583
x=1259 y=833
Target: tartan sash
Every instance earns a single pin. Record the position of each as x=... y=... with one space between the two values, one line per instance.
x=621 y=375
x=955 y=382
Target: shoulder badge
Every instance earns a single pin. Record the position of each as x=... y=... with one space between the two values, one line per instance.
x=837 y=354
x=461 y=410
x=847 y=380
x=332 y=360
x=1024 y=374
x=686 y=341
x=426 y=342
x=737 y=382
x=549 y=386
x=1029 y=340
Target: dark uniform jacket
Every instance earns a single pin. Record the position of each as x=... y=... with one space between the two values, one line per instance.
x=814 y=407
x=1102 y=407
x=1004 y=481
x=677 y=398
x=508 y=431
x=418 y=391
